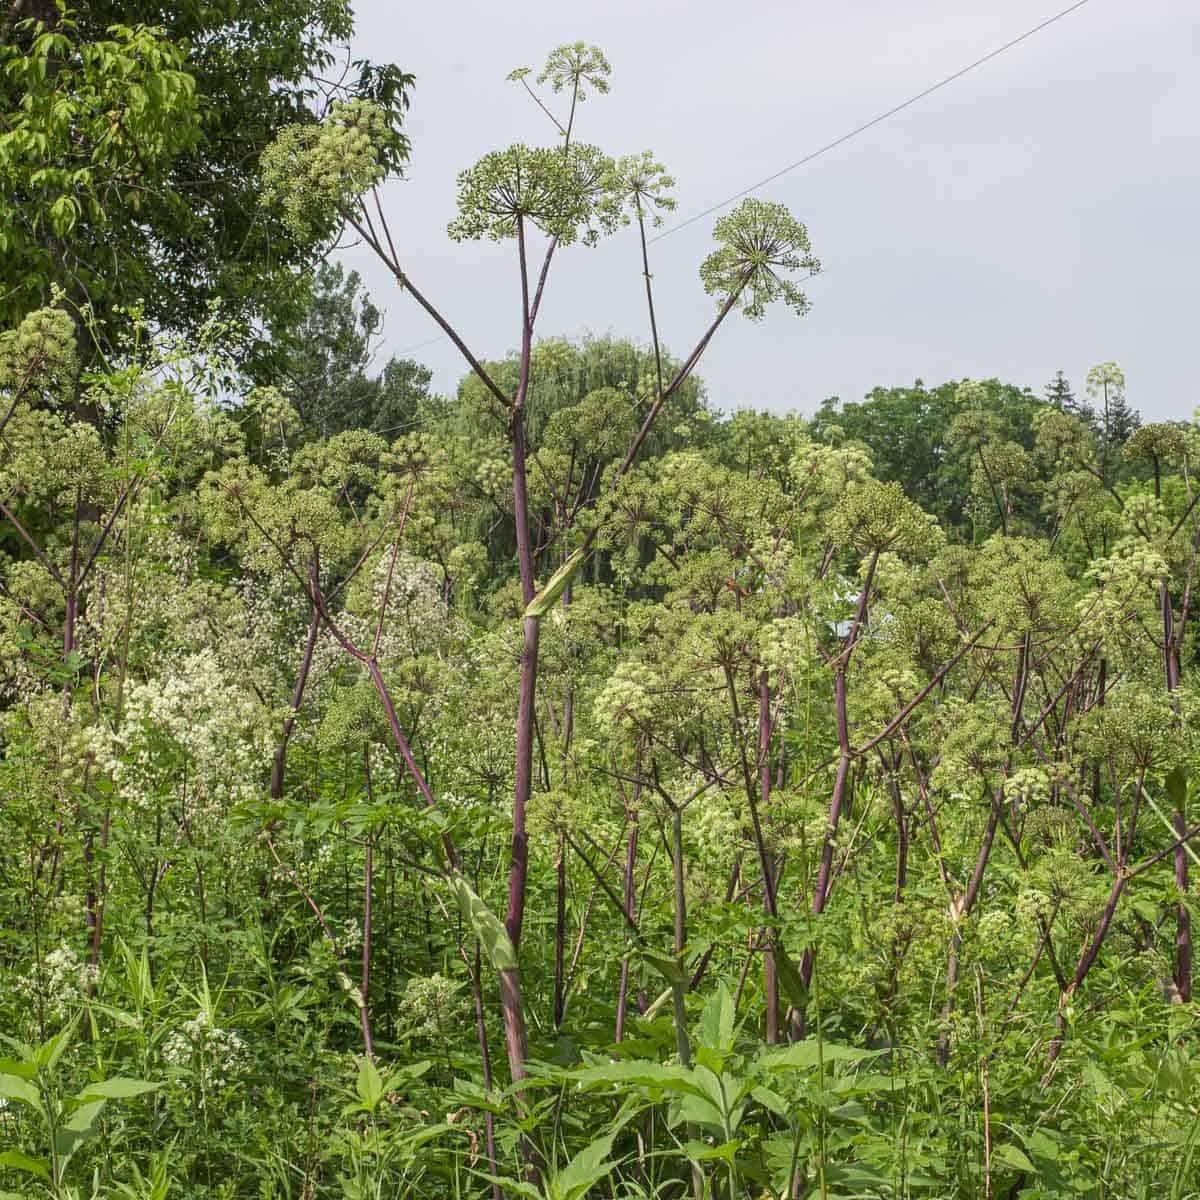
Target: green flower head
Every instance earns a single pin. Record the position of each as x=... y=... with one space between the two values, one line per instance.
x=562 y=192
x=316 y=173
x=640 y=185
x=759 y=243
x=572 y=66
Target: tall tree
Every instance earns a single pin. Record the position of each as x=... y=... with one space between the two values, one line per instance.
x=907 y=432
x=323 y=362
x=129 y=143
x=1116 y=418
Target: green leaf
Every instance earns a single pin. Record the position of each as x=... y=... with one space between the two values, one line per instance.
x=640 y=1073
x=545 y=600
x=22 y=1162
x=117 y=1089
x=12 y=1088
x=667 y=967
x=1013 y=1158
x=803 y=1055
x=1175 y=785
x=489 y=929
x=82 y=1125
x=789 y=977
x=702 y=1152
x=716 y=1021
x=22 y=1070
x=513 y=1186
x=369 y=1085
x=588 y=1167
x=1041 y=1145
x=701 y=1110
x=772 y=1102
x=48 y=1054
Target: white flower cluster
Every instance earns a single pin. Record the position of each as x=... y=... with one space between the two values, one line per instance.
x=432 y=1003
x=59 y=983
x=351 y=935
x=196 y=710
x=217 y=1056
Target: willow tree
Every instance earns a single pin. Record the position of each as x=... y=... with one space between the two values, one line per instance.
x=543 y=200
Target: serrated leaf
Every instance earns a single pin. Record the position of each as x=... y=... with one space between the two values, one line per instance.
x=804 y=1055
x=772 y=1102
x=700 y=1110
x=369 y=1084
x=640 y=1073
x=716 y=1021
x=1041 y=1145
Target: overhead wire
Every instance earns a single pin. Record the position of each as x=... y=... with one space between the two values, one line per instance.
x=838 y=141
x=883 y=116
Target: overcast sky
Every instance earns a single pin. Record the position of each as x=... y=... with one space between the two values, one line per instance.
x=1041 y=212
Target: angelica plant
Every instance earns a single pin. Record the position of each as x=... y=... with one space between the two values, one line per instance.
x=570 y=192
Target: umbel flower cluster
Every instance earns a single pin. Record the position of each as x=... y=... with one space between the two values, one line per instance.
x=57 y=985
x=40 y=354
x=214 y=1056
x=316 y=172
x=193 y=730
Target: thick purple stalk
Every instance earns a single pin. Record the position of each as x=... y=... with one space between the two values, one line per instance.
x=364 y=986
x=279 y=759
x=770 y=979
x=630 y=898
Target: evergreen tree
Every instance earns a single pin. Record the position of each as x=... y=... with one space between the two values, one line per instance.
x=1115 y=418
x=1058 y=392
x=325 y=363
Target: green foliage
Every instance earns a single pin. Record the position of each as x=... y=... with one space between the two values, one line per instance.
x=122 y=119
x=564 y=789
x=314 y=173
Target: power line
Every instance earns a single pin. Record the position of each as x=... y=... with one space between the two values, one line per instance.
x=853 y=133
x=838 y=141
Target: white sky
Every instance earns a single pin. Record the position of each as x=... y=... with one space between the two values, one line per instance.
x=1039 y=213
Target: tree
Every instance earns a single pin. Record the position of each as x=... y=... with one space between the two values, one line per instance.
x=1058 y=392
x=322 y=363
x=129 y=153
x=907 y=431
x=1117 y=420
